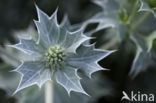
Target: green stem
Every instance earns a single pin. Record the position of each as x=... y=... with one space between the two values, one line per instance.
x=49 y=92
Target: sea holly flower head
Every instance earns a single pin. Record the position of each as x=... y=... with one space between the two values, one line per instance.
x=57 y=53
x=54 y=56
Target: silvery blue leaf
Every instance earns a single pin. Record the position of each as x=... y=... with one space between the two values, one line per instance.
x=69 y=79
x=48 y=28
x=29 y=47
x=32 y=73
x=73 y=40
x=87 y=57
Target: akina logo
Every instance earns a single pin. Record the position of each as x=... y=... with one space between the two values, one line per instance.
x=138 y=96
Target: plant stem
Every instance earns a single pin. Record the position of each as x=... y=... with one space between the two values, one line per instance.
x=49 y=92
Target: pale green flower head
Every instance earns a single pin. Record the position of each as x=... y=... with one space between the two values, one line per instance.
x=57 y=54
x=54 y=56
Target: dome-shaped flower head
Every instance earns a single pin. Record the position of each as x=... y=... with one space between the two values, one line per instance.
x=57 y=54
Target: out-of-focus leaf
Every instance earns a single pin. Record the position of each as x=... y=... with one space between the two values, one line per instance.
x=110 y=17
x=95 y=88
x=150 y=40
x=25 y=36
x=107 y=5
x=32 y=95
x=145 y=26
x=143 y=57
x=8 y=81
x=148 y=5
x=14 y=60
x=29 y=33
x=141 y=62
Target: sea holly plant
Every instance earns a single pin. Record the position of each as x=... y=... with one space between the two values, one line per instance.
x=57 y=55
x=127 y=19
